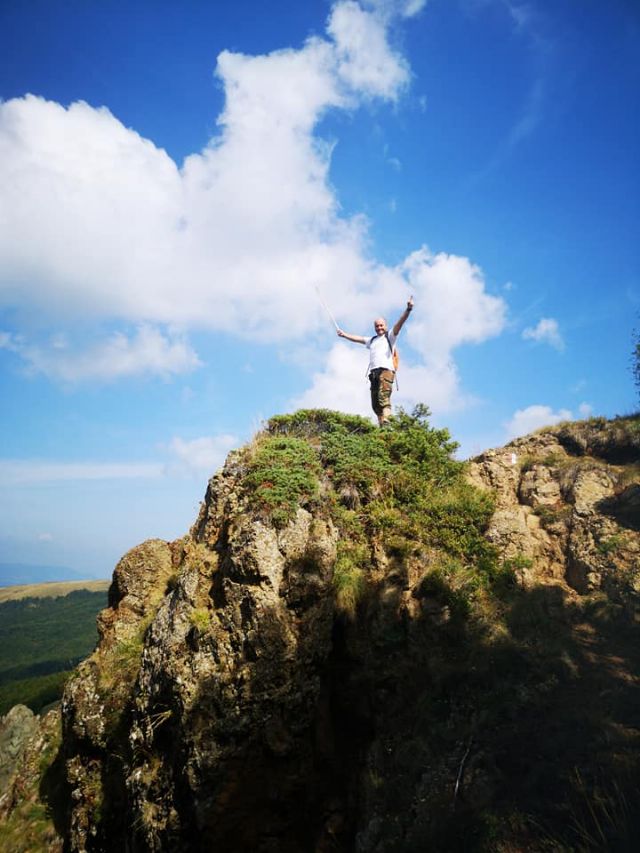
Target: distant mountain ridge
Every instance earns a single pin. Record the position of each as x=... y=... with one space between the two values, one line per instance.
x=18 y=574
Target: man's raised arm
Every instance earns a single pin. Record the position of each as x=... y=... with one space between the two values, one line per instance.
x=403 y=317
x=357 y=339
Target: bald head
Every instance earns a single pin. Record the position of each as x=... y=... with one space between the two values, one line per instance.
x=380 y=325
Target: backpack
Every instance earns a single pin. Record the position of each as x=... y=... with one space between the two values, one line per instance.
x=395 y=355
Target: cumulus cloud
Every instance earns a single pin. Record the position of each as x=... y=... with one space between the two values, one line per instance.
x=547 y=331
x=452 y=308
x=147 y=351
x=456 y=309
x=99 y=224
x=340 y=384
x=200 y=455
x=365 y=62
x=533 y=417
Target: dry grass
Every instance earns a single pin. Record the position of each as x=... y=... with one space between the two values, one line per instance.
x=50 y=590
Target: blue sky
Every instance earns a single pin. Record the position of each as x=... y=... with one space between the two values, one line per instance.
x=177 y=179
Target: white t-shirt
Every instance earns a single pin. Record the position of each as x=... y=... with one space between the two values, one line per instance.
x=380 y=354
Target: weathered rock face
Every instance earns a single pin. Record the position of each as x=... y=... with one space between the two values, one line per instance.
x=563 y=511
x=221 y=732
x=16 y=729
x=28 y=746
x=232 y=705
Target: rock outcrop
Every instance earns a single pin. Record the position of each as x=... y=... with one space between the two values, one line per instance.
x=28 y=749
x=369 y=654
x=568 y=506
x=16 y=729
x=227 y=685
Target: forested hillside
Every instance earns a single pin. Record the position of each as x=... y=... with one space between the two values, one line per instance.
x=41 y=640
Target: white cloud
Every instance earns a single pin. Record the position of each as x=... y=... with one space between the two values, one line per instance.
x=452 y=307
x=200 y=455
x=341 y=383
x=547 y=331
x=532 y=418
x=365 y=61
x=11 y=342
x=31 y=472
x=148 y=351
x=413 y=7
x=404 y=8
x=45 y=537
x=197 y=456
x=98 y=224
x=585 y=409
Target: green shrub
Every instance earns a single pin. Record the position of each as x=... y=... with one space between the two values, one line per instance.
x=282 y=474
x=611 y=544
x=550 y=515
x=400 y=485
x=308 y=422
x=349 y=576
x=454 y=584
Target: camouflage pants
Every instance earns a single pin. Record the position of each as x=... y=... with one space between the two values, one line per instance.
x=381 y=387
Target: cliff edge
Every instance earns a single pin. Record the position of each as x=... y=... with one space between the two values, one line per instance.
x=365 y=645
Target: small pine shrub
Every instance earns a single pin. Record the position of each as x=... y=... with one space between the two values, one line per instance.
x=282 y=474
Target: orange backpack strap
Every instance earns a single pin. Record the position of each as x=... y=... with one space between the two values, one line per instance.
x=395 y=357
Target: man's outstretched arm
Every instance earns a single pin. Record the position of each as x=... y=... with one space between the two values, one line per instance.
x=357 y=339
x=403 y=317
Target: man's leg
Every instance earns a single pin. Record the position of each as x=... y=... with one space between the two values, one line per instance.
x=385 y=387
x=374 y=381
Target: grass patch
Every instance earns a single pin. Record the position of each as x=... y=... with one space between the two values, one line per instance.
x=349 y=575
x=53 y=589
x=200 y=618
x=550 y=515
x=29 y=829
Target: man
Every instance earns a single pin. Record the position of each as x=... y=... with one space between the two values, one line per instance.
x=381 y=367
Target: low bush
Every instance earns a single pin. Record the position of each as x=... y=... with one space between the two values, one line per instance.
x=282 y=474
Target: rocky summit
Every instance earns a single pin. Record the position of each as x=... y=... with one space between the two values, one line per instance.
x=362 y=645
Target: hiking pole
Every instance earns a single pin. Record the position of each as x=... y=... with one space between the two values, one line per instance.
x=324 y=305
